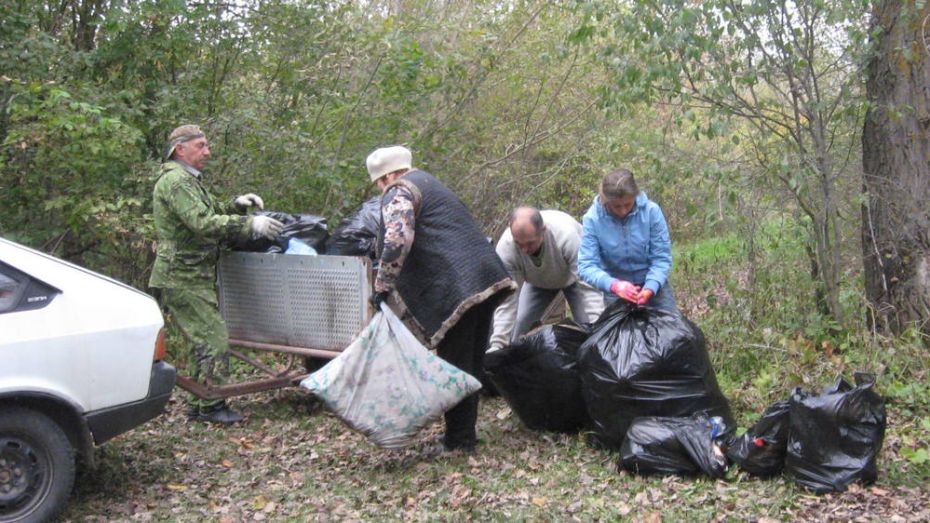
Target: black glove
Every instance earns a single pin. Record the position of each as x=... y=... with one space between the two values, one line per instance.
x=377 y=299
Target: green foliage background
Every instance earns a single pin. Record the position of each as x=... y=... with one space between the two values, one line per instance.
x=513 y=102
x=508 y=102
x=294 y=96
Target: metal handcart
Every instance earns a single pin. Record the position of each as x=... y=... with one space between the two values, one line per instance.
x=307 y=307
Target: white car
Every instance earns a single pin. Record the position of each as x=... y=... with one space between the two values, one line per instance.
x=80 y=362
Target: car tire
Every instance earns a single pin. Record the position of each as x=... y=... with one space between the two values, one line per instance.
x=36 y=466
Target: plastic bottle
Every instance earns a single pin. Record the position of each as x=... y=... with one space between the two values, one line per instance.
x=298 y=246
x=716 y=427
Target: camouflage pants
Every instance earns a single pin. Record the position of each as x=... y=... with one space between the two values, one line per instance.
x=195 y=312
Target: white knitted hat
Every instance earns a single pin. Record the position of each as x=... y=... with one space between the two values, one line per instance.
x=387 y=160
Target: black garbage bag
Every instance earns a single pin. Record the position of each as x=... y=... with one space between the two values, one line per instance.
x=262 y=244
x=680 y=446
x=357 y=235
x=642 y=361
x=761 y=450
x=835 y=436
x=311 y=229
x=538 y=377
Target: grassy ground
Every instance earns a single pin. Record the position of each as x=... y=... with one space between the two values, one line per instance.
x=291 y=460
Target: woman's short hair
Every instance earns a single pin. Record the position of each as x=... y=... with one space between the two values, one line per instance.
x=618 y=184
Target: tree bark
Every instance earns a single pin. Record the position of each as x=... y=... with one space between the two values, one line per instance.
x=895 y=155
x=86 y=14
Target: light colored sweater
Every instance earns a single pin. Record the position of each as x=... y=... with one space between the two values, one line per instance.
x=558 y=270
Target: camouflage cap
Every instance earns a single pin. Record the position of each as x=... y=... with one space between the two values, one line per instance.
x=184 y=133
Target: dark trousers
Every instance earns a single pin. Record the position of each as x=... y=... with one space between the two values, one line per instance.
x=463 y=346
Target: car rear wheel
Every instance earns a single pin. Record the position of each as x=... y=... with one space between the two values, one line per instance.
x=36 y=466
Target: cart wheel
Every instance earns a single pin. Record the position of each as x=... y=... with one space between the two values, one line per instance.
x=313 y=364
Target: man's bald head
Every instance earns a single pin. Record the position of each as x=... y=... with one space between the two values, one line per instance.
x=527 y=228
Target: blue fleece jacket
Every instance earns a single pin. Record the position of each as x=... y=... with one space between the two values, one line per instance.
x=636 y=248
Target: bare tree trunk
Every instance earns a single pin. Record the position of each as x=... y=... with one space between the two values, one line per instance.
x=895 y=152
x=86 y=15
x=813 y=256
x=752 y=256
x=828 y=247
x=6 y=97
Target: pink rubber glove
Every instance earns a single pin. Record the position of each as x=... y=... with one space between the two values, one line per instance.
x=625 y=290
x=644 y=296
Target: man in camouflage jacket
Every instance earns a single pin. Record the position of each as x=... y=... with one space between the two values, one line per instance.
x=189 y=226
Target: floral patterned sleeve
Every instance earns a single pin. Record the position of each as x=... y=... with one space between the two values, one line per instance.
x=399 y=221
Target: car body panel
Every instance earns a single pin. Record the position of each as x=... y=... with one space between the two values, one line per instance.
x=91 y=345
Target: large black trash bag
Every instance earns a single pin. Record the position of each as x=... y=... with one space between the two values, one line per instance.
x=538 y=377
x=761 y=450
x=680 y=446
x=357 y=235
x=836 y=435
x=312 y=229
x=642 y=361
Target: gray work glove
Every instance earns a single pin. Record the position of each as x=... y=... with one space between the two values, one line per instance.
x=249 y=200
x=266 y=227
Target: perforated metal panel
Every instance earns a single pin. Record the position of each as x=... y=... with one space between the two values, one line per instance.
x=318 y=302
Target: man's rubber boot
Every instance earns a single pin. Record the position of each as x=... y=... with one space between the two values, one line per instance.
x=218 y=414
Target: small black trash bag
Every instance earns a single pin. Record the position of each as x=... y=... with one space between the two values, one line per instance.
x=642 y=361
x=836 y=435
x=307 y=227
x=680 y=446
x=312 y=229
x=538 y=377
x=760 y=451
x=262 y=244
x=357 y=235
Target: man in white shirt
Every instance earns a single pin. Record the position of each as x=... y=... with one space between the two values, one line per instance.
x=540 y=250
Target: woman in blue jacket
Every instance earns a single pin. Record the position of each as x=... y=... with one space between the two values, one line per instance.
x=625 y=250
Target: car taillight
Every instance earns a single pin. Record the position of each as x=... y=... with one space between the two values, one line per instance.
x=161 y=348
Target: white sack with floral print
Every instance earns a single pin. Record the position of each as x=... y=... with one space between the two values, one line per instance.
x=387 y=385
